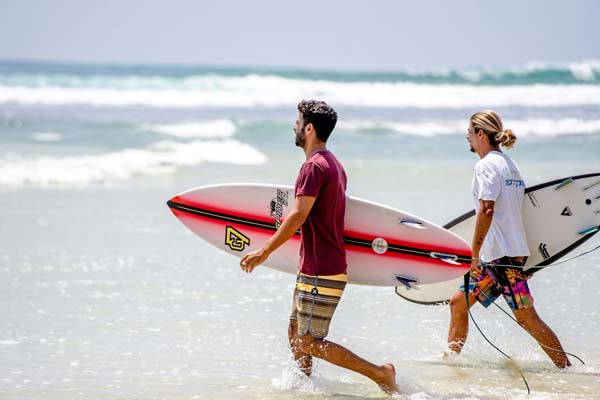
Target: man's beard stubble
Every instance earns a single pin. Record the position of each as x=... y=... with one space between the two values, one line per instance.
x=300 y=140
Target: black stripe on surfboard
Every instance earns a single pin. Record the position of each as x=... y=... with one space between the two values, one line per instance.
x=271 y=227
x=401 y=249
x=557 y=181
x=221 y=216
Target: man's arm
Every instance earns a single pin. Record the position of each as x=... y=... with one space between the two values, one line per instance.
x=485 y=214
x=293 y=222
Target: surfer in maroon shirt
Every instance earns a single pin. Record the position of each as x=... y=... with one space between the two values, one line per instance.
x=318 y=209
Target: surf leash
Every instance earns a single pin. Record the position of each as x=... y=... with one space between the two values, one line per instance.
x=466 y=283
x=517 y=322
x=541 y=344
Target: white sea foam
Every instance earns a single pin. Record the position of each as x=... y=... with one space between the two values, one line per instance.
x=216 y=129
x=160 y=158
x=581 y=70
x=418 y=128
x=47 y=136
x=522 y=127
x=585 y=71
x=273 y=91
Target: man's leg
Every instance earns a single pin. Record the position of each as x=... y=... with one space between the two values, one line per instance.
x=459 y=321
x=316 y=301
x=520 y=300
x=485 y=291
x=530 y=320
x=383 y=375
x=303 y=360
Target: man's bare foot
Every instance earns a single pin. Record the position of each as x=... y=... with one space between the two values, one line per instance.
x=449 y=354
x=387 y=380
x=305 y=365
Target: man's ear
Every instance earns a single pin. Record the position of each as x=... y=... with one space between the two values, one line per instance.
x=309 y=127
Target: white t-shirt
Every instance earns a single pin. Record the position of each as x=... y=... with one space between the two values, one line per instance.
x=498 y=178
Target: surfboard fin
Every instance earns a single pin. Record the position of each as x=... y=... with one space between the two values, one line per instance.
x=412 y=223
x=564 y=183
x=589 y=230
x=449 y=258
x=405 y=280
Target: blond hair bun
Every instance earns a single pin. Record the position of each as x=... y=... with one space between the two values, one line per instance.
x=507 y=138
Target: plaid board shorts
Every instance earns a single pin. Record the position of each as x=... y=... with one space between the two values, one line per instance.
x=496 y=279
x=315 y=301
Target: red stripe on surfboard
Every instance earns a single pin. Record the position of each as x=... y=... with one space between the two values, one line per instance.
x=251 y=231
x=229 y=212
x=461 y=252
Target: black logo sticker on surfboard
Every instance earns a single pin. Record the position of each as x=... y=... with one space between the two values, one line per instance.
x=276 y=206
x=543 y=248
x=566 y=212
x=533 y=200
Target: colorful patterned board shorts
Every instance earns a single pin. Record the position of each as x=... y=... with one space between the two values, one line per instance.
x=496 y=280
x=315 y=301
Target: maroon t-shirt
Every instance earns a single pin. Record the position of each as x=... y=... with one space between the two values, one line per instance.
x=322 y=245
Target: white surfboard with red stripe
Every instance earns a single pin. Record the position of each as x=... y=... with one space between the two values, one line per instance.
x=384 y=246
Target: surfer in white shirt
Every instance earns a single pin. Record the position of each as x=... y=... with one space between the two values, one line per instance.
x=498 y=240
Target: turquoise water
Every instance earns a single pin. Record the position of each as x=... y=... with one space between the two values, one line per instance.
x=107 y=295
x=587 y=72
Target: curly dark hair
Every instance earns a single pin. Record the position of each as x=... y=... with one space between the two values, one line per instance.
x=321 y=115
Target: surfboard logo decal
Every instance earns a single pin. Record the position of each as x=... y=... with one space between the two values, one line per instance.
x=567 y=212
x=543 y=248
x=379 y=245
x=236 y=240
x=276 y=206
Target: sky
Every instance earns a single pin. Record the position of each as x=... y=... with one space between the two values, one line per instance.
x=329 y=34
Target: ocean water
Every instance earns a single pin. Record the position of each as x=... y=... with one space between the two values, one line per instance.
x=106 y=295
